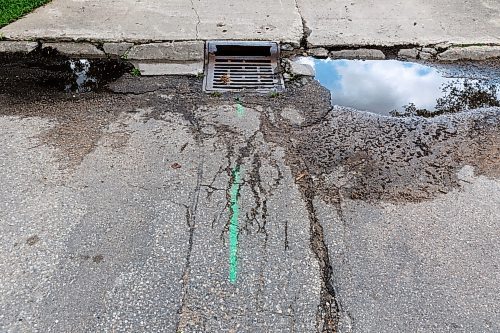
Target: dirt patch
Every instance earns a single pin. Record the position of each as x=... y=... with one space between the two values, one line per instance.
x=30 y=87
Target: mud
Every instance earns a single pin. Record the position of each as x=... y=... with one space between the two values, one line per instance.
x=47 y=70
x=34 y=86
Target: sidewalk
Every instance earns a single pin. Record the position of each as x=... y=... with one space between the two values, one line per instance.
x=319 y=25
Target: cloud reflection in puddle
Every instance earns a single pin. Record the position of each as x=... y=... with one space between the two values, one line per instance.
x=379 y=86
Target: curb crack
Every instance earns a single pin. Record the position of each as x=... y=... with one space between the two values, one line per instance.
x=198 y=17
x=306 y=31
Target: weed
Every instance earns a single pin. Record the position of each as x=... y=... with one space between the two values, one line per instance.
x=200 y=75
x=216 y=94
x=273 y=94
x=135 y=72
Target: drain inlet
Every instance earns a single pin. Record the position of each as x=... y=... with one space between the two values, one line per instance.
x=236 y=66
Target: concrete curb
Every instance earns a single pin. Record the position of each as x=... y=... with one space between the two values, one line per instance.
x=154 y=69
x=80 y=50
x=17 y=46
x=186 y=57
x=470 y=53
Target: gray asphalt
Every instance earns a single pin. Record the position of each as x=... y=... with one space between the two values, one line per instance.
x=116 y=210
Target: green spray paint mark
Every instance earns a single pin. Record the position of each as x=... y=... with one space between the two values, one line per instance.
x=240 y=110
x=233 y=226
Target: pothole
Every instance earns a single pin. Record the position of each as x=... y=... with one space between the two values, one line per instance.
x=402 y=89
x=83 y=82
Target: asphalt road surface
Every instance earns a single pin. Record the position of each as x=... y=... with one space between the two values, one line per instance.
x=152 y=207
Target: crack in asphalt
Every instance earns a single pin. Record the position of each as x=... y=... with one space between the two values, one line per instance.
x=327 y=317
x=191 y=211
x=370 y=153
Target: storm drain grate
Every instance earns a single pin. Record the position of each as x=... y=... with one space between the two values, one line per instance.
x=235 y=66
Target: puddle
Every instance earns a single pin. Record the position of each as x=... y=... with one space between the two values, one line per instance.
x=83 y=81
x=391 y=87
x=50 y=71
x=91 y=75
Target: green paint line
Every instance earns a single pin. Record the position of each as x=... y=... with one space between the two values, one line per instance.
x=240 y=110
x=233 y=225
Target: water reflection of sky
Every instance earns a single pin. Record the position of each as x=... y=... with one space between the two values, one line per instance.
x=379 y=86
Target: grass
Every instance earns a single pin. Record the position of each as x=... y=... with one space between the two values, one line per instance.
x=273 y=94
x=11 y=10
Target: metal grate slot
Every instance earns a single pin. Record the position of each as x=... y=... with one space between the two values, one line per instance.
x=234 y=66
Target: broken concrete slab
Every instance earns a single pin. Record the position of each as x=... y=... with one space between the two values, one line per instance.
x=367 y=54
x=414 y=53
x=116 y=49
x=301 y=69
x=470 y=53
x=389 y=23
x=85 y=50
x=17 y=47
x=408 y=53
x=429 y=50
x=318 y=52
x=425 y=56
x=174 y=51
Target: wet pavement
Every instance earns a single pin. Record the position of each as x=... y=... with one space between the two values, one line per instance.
x=148 y=206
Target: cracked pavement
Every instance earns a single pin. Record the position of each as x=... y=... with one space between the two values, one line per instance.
x=115 y=212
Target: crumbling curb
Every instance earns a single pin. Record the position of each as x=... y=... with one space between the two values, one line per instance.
x=17 y=47
x=117 y=50
x=80 y=50
x=186 y=57
x=470 y=53
x=367 y=54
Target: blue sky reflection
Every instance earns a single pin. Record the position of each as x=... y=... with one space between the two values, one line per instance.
x=379 y=86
